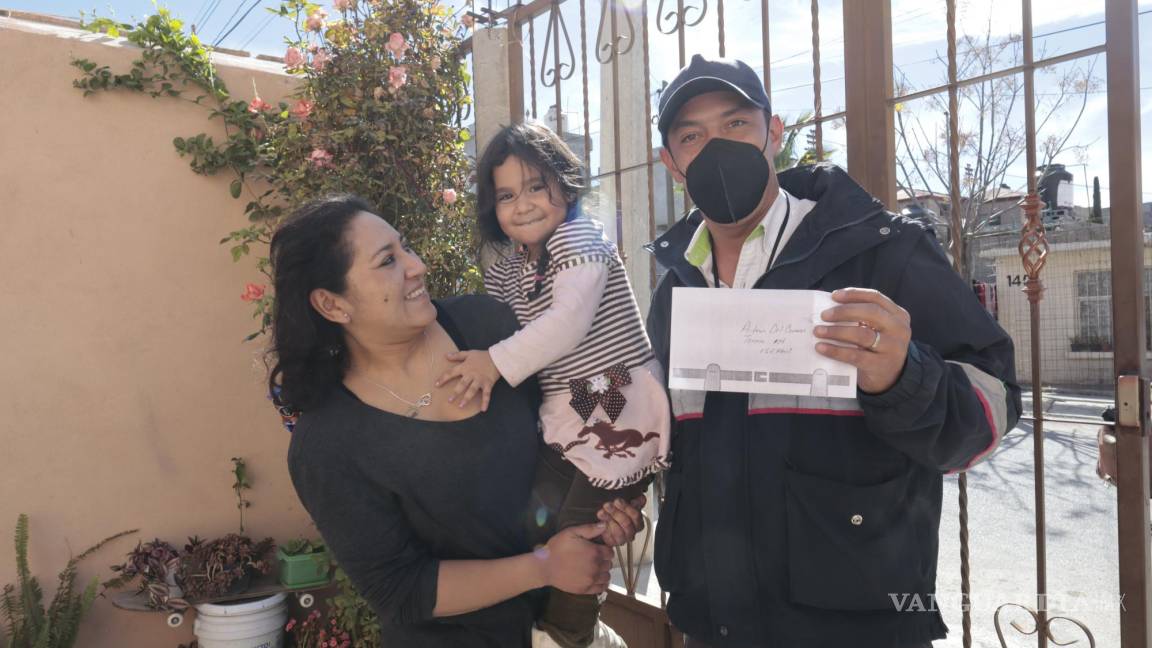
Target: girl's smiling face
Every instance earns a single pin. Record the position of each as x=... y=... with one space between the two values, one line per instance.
x=529 y=206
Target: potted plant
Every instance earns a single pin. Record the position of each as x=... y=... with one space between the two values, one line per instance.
x=303 y=563
x=157 y=566
x=223 y=566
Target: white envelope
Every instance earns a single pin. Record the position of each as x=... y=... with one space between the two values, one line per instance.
x=753 y=341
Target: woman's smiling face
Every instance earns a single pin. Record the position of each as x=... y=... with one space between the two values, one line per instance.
x=386 y=278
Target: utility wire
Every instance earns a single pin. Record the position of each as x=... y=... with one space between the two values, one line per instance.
x=239 y=21
x=267 y=21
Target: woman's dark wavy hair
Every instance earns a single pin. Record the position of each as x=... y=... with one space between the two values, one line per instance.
x=310 y=250
x=539 y=148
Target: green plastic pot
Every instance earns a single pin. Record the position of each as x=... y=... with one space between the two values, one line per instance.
x=303 y=570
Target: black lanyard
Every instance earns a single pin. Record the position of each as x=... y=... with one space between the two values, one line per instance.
x=771 y=257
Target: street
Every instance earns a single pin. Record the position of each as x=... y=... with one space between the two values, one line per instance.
x=1081 y=528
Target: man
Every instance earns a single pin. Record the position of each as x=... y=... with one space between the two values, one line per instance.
x=810 y=522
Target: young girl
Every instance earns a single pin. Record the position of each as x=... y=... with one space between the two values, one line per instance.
x=605 y=411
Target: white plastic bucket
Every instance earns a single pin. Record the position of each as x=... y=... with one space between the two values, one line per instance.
x=252 y=624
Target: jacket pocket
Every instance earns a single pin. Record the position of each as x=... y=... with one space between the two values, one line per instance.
x=851 y=547
x=663 y=558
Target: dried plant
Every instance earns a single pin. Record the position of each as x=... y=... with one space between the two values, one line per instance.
x=215 y=568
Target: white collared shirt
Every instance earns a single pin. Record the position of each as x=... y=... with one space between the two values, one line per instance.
x=757 y=249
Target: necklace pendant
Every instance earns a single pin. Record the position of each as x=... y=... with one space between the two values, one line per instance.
x=421 y=403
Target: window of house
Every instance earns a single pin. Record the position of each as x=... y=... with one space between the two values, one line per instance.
x=1094 y=311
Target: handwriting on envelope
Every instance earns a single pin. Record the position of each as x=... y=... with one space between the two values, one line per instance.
x=753 y=341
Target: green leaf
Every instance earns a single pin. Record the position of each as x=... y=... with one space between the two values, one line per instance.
x=236 y=187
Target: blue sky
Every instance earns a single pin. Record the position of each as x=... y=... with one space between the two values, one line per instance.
x=918 y=33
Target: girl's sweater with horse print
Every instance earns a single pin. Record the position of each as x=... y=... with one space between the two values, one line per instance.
x=604 y=407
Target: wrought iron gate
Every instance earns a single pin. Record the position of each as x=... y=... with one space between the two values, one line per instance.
x=548 y=41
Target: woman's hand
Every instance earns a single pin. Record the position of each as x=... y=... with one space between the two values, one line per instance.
x=476 y=374
x=573 y=563
x=622 y=520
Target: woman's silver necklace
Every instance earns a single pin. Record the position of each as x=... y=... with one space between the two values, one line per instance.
x=420 y=403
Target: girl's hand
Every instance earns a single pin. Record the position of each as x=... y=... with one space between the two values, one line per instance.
x=622 y=520
x=476 y=374
x=573 y=563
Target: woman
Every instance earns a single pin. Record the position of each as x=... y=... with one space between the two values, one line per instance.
x=424 y=504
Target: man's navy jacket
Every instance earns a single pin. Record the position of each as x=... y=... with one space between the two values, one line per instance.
x=807 y=522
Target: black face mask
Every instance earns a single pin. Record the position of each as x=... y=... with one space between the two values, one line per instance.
x=727 y=179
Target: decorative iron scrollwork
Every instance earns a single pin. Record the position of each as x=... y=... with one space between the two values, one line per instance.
x=612 y=44
x=679 y=17
x=559 y=69
x=463 y=113
x=1033 y=246
x=1037 y=627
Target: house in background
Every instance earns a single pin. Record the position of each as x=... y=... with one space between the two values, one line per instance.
x=1076 y=311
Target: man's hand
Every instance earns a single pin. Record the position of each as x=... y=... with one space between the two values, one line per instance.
x=475 y=372
x=877 y=347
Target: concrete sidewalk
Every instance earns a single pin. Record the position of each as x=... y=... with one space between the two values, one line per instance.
x=1081 y=529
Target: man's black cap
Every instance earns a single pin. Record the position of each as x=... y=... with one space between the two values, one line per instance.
x=709 y=75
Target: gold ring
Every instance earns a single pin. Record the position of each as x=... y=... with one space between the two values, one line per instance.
x=875 y=341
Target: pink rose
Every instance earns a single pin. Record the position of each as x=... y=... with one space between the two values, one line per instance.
x=397 y=45
x=320 y=59
x=315 y=21
x=398 y=76
x=293 y=58
x=320 y=158
x=467 y=20
x=343 y=5
x=449 y=196
x=252 y=292
x=258 y=105
x=302 y=109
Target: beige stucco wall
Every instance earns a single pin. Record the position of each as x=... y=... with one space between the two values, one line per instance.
x=1058 y=313
x=125 y=388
